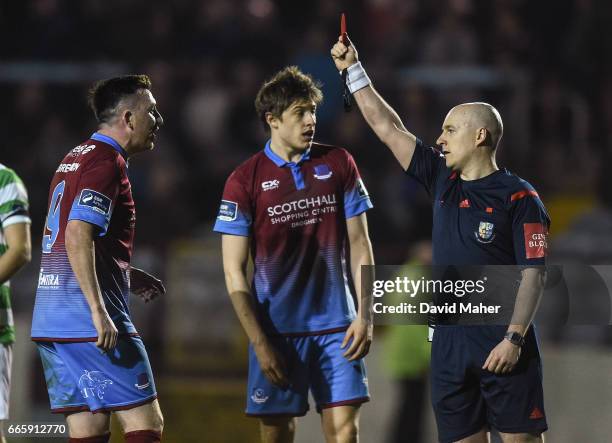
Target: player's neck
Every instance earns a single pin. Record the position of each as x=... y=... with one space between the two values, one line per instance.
x=479 y=169
x=116 y=135
x=286 y=152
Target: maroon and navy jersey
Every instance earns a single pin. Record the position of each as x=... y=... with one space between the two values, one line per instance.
x=91 y=184
x=295 y=214
x=495 y=220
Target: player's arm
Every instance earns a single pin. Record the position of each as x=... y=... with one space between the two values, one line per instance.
x=19 y=250
x=235 y=258
x=380 y=116
x=361 y=329
x=80 y=247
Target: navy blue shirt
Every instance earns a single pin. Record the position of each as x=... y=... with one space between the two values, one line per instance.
x=495 y=220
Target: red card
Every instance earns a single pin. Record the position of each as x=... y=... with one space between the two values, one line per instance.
x=343 y=29
x=536 y=240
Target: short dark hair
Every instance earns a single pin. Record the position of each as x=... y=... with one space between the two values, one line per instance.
x=105 y=95
x=285 y=87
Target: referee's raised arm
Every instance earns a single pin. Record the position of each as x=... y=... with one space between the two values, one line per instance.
x=381 y=117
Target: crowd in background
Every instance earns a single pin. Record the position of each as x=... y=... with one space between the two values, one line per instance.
x=207 y=60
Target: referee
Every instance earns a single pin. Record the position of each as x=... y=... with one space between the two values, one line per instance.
x=482 y=376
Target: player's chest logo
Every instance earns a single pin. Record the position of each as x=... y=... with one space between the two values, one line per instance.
x=322 y=172
x=485 y=234
x=270 y=185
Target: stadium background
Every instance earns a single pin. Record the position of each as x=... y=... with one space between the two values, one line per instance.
x=545 y=65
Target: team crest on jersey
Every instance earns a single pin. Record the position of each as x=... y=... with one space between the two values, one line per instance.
x=322 y=172
x=93 y=384
x=485 y=232
x=227 y=211
x=259 y=396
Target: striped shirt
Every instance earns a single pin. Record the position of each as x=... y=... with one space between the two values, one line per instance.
x=13 y=209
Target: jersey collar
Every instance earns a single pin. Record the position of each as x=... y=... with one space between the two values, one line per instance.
x=280 y=162
x=109 y=141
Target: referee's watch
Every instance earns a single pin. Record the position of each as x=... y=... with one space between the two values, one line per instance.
x=515 y=338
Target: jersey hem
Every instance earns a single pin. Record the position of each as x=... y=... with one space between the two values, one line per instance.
x=311 y=333
x=536 y=427
x=357 y=208
x=79 y=339
x=334 y=404
x=276 y=414
x=242 y=232
x=121 y=407
x=88 y=216
x=15 y=219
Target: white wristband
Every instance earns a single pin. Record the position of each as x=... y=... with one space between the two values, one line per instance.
x=357 y=78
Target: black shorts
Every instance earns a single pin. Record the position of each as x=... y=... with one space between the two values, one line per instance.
x=467 y=398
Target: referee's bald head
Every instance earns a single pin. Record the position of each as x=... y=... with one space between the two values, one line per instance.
x=482 y=115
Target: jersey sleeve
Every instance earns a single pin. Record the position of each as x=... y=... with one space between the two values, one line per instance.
x=14 y=206
x=426 y=165
x=356 y=197
x=235 y=211
x=530 y=225
x=96 y=193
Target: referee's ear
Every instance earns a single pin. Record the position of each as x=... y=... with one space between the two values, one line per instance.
x=483 y=137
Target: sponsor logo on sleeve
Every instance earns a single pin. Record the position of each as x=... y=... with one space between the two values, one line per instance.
x=361 y=189
x=227 y=211
x=322 y=172
x=485 y=232
x=95 y=200
x=269 y=185
x=536 y=240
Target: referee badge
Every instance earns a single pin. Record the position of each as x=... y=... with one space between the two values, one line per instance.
x=485 y=232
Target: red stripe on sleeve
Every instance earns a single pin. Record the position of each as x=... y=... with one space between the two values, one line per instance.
x=522 y=194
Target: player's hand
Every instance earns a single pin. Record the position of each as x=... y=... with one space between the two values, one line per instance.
x=145 y=285
x=361 y=332
x=503 y=358
x=107 y=332
x=272 y=364
x=344 y=56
